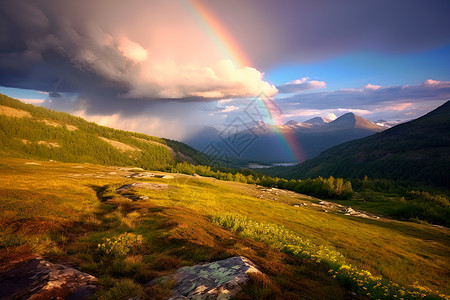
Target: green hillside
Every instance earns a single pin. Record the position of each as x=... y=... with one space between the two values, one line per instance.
x=34 y=132
x=74 y=214
x=415 y=152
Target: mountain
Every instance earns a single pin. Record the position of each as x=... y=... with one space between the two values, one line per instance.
x=268 y=145
x=415 y=151
x=350 y=120
x=201 y=136
x=317 y=121
x=28 y=131
x=292 y=123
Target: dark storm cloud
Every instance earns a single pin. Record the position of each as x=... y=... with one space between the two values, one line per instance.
x=54 y=95
x=35 y=54
x=291 y=30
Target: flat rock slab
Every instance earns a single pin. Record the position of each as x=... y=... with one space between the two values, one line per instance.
x=143 y=185
x=40 y=279
x=217 y=280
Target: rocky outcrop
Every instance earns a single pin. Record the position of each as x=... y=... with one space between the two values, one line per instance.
x=40 y=279
x=142 y=185
x=149 y=175
x=217 y=280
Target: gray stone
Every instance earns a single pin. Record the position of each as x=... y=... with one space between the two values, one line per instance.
x=142 y=185
x=40 y=279
x=217 y=280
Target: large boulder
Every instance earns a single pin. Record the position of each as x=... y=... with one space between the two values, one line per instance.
x=217 y=280
x=40 y=279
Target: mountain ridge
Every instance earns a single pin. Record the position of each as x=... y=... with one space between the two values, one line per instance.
x=413 y=151
x=350 y=120
x=313 y=138
x=317 y=121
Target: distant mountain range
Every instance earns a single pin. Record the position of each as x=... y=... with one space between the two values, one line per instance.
x=268 y=145
x=417 y=151
x=28 y=131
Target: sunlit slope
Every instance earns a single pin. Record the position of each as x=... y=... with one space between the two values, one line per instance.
x=28 y=131
x=55 y=197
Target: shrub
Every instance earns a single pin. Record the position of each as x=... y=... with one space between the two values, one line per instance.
x=121 y=245
x=124 y=289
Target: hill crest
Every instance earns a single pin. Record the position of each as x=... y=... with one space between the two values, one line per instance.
x=29 y=131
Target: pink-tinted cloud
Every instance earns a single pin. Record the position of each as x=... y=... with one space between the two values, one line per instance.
x=153 y=50
x=301 y=85
x=370 y=95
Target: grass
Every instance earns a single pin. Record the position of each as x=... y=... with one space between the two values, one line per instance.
x=361 y=281
x=64 y=213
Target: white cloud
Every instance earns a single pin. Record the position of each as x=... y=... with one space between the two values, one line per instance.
x=230 y=108
x=132 y=50
x=356 y=111
x=171 y=80
x=32 y=101
x=372 y=97
x=300 y=85
x=372 y=87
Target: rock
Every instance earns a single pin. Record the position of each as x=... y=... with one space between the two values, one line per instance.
x=143 y=185
x=217 y=280
x=40 y=279
x=350 y=211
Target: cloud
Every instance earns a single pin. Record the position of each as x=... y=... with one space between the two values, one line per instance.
x=32 y=101
x=164 y=119
x=372 y=87
x=300 y=85
x=369 y=96
x=122 y=53
x=54 y=95
x=223 y=80
x=309 y=31
x=134 y=59
x=230 y=108
x=132 y=50
x=372 y=102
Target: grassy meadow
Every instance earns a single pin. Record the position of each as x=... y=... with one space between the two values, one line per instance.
x=71 y=213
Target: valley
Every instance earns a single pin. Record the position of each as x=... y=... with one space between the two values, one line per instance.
x=67 y=203
x=63 y=211
x=311 y=137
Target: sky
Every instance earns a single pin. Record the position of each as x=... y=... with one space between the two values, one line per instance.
x=162 y=67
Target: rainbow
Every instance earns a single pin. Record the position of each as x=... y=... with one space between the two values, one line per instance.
x=285 y=136
x=231 y=50
x=217 y=33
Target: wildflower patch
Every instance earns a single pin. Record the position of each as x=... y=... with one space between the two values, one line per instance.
x=360 y=281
